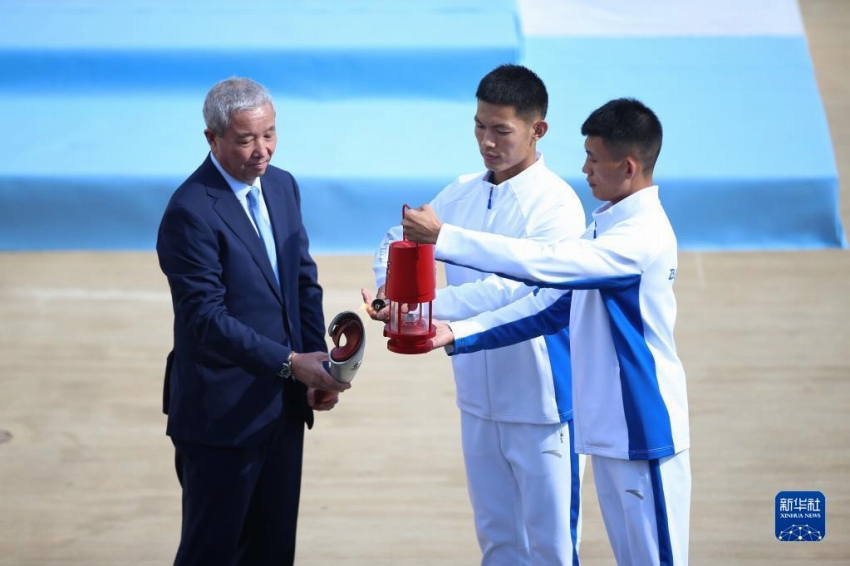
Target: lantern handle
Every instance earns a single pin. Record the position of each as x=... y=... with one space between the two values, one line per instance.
x=404 y=207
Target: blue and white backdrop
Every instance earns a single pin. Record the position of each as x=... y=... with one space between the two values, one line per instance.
x=100 y=104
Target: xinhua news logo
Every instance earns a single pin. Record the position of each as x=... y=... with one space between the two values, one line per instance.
x=800 y=516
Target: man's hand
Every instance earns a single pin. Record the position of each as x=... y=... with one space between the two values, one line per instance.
x=444 y=335
x=322 y=400
x=309 y=369
x=376 y=314
x=421 y=225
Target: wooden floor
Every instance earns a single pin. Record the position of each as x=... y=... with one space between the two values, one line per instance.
x=86 y=475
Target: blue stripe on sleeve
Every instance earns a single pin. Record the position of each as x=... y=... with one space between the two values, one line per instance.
x=548 y=321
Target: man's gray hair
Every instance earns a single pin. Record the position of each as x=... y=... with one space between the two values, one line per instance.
x=229 y=97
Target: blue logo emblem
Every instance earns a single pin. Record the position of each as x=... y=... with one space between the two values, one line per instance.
x=800 y=516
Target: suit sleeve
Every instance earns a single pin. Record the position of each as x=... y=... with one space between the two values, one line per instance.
x=189 y=256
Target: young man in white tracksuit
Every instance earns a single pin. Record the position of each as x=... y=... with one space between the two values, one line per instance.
x=614 y=287
x=523 y=475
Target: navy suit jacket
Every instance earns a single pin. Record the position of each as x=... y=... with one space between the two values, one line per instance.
x=233 y=325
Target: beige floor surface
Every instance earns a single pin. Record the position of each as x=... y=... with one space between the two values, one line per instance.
x=87 y=479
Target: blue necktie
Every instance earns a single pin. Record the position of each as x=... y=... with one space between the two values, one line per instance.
x=263 y=228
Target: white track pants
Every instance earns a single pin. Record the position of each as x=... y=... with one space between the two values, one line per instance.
x=646 y=507
x=524 y=483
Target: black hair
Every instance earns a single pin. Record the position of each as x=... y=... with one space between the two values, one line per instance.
x=628 y=127
x=515 y=86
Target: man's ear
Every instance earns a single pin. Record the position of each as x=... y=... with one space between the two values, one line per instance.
x=539 y=129
x=632 y=167
x=210 y=135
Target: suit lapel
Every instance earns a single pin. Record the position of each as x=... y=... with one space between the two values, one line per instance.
x=274 y=206
x=275 y=203
x=227 y=206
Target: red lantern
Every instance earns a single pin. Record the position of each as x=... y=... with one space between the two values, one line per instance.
x=410 y=287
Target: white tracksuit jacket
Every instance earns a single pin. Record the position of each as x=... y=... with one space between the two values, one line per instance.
x=629 y=386
x=528 y=382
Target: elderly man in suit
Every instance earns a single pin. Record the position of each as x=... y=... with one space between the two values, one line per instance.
x=248 y=364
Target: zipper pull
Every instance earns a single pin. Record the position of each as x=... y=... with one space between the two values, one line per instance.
x=562 y=435
x=490 y=199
